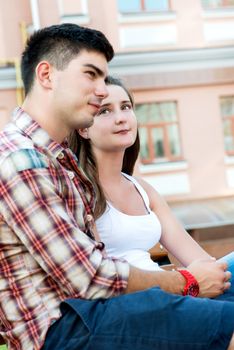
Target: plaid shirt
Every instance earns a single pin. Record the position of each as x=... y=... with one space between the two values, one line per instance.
x=47 y=250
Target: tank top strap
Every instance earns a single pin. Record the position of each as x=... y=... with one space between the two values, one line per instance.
x=140 y=190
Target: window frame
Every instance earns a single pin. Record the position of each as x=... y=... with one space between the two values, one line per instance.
x=217 y=7
x=143 y=9
x=229 y=118
x=163 y=125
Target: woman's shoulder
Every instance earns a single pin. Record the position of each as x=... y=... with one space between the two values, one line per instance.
x=139 y=182
x=146 y=185
x=154 y=197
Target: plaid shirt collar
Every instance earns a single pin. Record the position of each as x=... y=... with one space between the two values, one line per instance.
x=33 y=130
x=42 y=140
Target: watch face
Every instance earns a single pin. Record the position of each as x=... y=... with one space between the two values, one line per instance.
x=193 y=290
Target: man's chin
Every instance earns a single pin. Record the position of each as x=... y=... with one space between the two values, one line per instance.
x=89 y=122
x=85 y=123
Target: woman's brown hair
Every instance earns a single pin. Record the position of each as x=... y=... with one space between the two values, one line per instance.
x=83 y=150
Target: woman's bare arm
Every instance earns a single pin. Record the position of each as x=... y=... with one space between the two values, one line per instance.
x=174 y=238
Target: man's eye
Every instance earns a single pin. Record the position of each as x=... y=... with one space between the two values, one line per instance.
x=91 y=73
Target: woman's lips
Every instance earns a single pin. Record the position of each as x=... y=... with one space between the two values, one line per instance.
x=123 y=131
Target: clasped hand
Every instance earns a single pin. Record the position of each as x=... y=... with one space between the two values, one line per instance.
x=212 y=276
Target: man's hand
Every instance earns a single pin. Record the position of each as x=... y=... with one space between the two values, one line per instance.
x=212 y=277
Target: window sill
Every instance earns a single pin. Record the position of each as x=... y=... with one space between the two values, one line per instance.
x=75 y=19
x=218 y=13
x=229 y=160
x=163 y=167
x=149 y=17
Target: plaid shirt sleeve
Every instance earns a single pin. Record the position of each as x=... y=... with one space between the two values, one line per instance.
x=35 y=206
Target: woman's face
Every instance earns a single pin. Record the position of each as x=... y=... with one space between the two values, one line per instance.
x=115 y=125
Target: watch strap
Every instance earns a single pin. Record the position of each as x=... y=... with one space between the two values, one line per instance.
x=191 y=287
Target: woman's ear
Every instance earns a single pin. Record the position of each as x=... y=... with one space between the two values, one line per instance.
x=84 y=133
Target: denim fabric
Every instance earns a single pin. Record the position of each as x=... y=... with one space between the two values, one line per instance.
x=151 y=319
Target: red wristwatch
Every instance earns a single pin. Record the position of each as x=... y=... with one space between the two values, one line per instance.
x=191 y=286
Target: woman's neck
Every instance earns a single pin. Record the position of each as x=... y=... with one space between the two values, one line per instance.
x=109 y=167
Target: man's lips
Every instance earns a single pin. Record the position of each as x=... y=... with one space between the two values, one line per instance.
x=95 y=105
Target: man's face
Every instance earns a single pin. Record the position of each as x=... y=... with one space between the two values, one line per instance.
x=79 y=89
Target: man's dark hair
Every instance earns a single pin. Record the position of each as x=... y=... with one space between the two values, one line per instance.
x=59 y=44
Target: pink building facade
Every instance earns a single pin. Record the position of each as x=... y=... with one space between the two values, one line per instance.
x=177 y=56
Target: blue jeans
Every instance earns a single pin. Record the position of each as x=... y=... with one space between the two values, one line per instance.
x=146 y=320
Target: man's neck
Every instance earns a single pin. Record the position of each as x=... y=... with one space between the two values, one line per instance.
x=43 y=114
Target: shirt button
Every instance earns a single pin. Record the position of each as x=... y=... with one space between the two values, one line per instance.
x=61 y=155
x=89 y=217
x=71 y=175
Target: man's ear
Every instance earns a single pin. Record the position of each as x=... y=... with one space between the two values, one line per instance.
x=84 y=133
x=43 y=74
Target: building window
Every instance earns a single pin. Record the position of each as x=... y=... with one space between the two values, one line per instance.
x=227 y=113
x=74 y=11
x=136 y=6
x=71 y=7
x=213 y=4
x=159 y=132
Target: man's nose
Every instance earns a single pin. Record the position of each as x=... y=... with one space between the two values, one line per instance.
x=101 y=90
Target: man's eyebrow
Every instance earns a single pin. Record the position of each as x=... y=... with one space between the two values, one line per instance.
x=98 y=70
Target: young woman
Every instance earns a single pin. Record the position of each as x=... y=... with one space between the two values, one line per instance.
x=131 y=217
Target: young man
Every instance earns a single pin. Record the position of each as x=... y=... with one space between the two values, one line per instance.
x=58 y=290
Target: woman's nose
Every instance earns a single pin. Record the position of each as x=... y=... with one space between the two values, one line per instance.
x=120 y=117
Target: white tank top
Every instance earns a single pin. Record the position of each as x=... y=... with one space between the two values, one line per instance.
x=130 y=236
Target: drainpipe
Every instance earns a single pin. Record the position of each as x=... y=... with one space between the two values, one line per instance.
x=35 y=14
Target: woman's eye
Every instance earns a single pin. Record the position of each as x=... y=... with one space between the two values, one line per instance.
x=126 y=106
x=103 y=111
